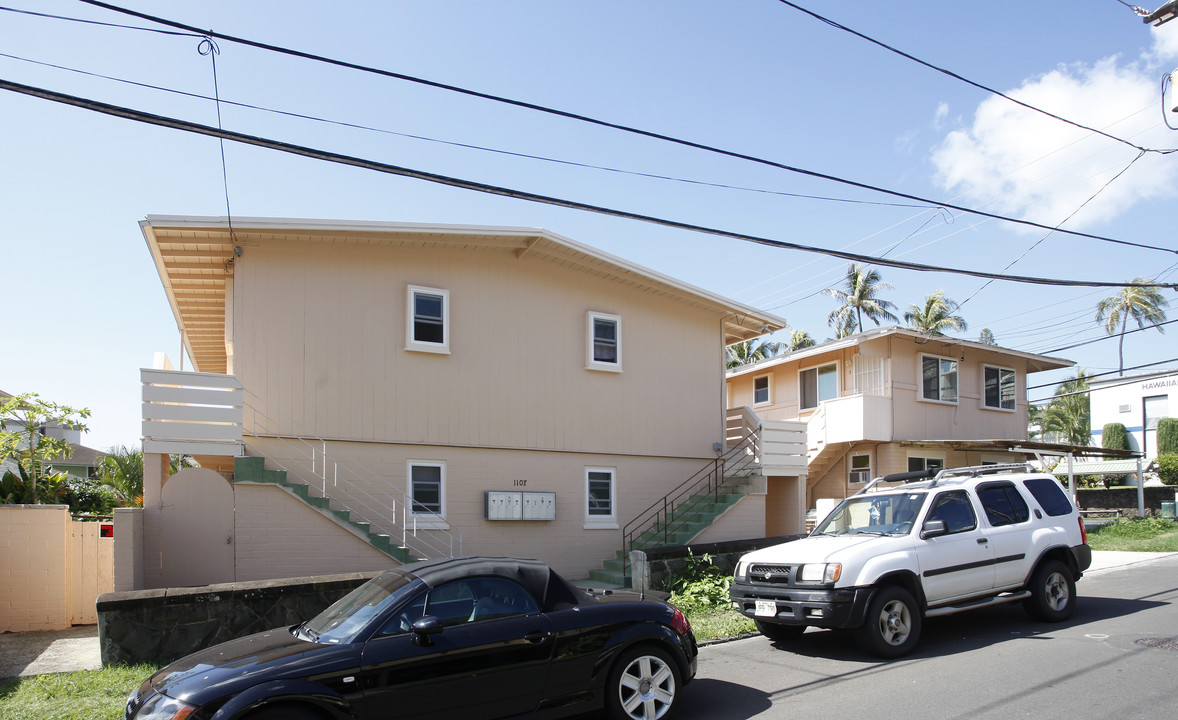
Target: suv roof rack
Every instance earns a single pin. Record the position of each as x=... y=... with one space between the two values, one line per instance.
x=971 y=471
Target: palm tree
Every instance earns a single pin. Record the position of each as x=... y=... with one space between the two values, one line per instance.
x=1067 y=417
x=122 y=470
x=859 y=297
x=751 y=351
x=1142 y=304
x=935 y=316
x=799 y=339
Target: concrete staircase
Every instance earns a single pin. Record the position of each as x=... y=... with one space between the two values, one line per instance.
x=687 y=521
x=252 y=470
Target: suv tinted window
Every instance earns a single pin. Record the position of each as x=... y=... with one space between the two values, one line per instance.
x=955 y=509
x=1003 y=504
x=1050 y=496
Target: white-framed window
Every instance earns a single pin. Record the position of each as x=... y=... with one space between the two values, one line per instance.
x=761 y=395
x=427 y=324
x=860 y=469
x=818 y=384
x=998 y=388
x=938 y=379
x=600 y=498
x=603 y=342
x=427 y=490
x=916 y=462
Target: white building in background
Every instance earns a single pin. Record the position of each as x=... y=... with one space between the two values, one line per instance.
x=1137 y=402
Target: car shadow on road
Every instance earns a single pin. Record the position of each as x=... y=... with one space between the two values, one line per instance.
x=969 y=631
x=721 y=700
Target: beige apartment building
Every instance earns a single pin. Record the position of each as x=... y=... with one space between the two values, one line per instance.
x=892 y=400
x=367 y=393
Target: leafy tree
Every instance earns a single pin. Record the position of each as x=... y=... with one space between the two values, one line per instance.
x=1066 y=418
x=799 y=339
x=122 y=471
x=751 y=351
x=1144 y=305
x=22 y=418
x=935 y=316
x=1114 y=436
x=1168 y=435
x=987 y=337
x=859 y=296
x=18 y=488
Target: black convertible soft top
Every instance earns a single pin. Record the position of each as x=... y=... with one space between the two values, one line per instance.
x=541 y=581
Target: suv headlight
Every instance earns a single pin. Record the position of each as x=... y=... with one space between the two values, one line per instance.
x=162 y=707
x=820 y=573
x=742 y=569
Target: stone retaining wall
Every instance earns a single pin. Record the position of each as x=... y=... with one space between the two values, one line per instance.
x=159 y=626
x=665 y=563
x=1125 y=499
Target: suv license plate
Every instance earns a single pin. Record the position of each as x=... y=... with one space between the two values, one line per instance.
x=766 y=608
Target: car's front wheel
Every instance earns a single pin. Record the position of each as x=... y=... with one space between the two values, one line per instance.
x=643 y=685
x=893 y=623
x=1053 y=593
x=780 y=633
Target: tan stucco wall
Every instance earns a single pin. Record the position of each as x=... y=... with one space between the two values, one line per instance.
x=279 y=536
x=319 y=333
x=33 y=578
x=566 y=543
x=51 y=568
x=744 y=520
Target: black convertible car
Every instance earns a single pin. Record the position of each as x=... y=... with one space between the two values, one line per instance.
x=466 y=637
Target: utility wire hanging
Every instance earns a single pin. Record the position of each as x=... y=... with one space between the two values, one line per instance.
x=601 y=123
x=208 y=47
x=196 y=128
x=966 y=80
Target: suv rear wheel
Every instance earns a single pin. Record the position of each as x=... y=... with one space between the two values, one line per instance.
x=1053 y=593
x=892 y=627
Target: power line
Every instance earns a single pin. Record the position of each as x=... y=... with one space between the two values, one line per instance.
x=1110 y=372
x=966 y=80
x=1110 y=337
x=601 y=123
x=452 y=143
x=195 y=128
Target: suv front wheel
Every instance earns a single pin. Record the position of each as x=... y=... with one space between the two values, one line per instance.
x=892 y=627
x=1053 y=593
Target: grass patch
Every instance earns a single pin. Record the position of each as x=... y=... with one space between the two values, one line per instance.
x=719 y=623
x=1153 y=534
x=84 y=695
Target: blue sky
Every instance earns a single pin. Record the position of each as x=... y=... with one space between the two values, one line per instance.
x=85 y=308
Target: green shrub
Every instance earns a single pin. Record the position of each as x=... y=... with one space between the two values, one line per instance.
x=1168 y=468
x=700 y=586
x=1115 y=437
x=1167 y=436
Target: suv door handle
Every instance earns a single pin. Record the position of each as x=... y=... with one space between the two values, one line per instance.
x=537 y=636
x=983 y=541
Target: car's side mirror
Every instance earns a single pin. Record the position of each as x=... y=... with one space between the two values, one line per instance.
x=932 y=528
x=424 y=627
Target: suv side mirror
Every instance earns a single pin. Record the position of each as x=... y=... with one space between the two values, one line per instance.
x=930 y=529
x=423 y=628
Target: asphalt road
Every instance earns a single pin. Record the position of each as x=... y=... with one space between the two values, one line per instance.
x=1117 y=657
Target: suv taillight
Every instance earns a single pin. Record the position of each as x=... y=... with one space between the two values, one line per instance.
x=1083 y=532
x=680 y=623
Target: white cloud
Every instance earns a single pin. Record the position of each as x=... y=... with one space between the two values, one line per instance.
x=1165 y=41
x=1018 y=162
x=941 y=115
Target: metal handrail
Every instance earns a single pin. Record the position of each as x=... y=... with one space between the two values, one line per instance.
x=346 y=486
x=708 y=479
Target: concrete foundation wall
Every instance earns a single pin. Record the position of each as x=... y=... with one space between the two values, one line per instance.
x=159 y=626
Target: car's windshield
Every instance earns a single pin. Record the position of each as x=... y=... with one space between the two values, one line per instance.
x=341 y=622
x=883 y=514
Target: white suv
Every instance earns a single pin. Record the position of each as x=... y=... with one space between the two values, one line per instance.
x=887 y=557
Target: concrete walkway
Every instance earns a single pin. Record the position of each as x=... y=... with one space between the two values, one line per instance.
x=53 y=651
x=49 y=651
